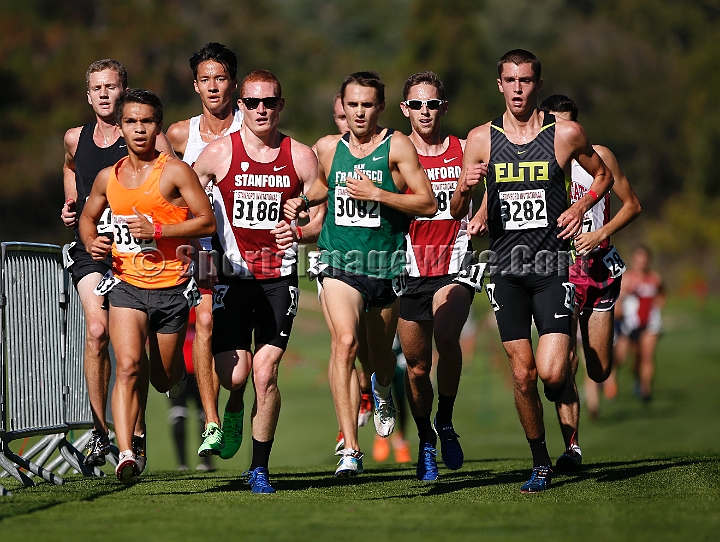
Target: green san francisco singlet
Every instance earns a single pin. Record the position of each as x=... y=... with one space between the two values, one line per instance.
x=363 y=237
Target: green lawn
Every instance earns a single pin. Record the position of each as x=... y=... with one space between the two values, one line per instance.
x=652 y=472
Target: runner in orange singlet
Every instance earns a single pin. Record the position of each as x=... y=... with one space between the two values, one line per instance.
x=151 y=196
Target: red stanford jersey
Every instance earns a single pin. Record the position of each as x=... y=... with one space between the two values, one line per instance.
x=248 y=204
x=439 y=243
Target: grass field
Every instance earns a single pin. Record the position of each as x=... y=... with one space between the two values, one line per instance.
x=652 y=472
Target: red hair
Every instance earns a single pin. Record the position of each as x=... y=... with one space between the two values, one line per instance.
x=261 y=76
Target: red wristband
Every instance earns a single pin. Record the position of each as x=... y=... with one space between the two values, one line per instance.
x=299 y=232
x=594 y=195
x=158 y=231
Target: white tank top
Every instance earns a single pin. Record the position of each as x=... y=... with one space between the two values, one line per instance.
x=599 y=214
x=194 y=147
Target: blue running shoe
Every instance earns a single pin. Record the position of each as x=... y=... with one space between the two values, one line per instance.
x=452 y=454
x=427 y=469
x=258 y=480
x=540 y=480
x=384 y=415
x=350 y=463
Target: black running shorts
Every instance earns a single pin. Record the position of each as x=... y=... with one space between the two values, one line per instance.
x=80 y=264
x=375 y=292
x=519 y=299
x=416 y=303
x=167 y=308
x=242 y=307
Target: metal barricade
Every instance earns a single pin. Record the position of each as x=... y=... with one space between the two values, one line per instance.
x=33 y=301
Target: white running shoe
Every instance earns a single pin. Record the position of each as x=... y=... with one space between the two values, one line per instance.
x=384 y=415
x=127 y=468
x=350 y=463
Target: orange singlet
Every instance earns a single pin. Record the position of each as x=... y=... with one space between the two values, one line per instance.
x=146 y=263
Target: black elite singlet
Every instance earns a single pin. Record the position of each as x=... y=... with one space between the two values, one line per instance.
x=89 y=161
x=527 y=192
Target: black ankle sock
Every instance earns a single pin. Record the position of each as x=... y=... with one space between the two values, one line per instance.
x=554 y=394
x=425 y=429
x=445 y=409
x=541 y=457
x=261 y=453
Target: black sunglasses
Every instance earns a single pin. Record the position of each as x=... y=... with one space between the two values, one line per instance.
x=416 y=105
x=253 y=103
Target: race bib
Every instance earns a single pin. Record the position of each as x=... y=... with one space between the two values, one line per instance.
x=490 y=291
x=219 y=296
x=107 y=283
x=106 y=224
x=124 y=241
x=316 y=266
x=256 y=210
x=443 y=194
x=192 y=294
x=351 y=212
x=294 y=301
x=588 y=224
x=67 y=259
x=399 y=284
x=523 y=209
x=569 y=300
x=614 y=263
x=473 y=275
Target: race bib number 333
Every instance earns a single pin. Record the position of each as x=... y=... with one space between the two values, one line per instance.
x=124 y=241
x=352 y=212
x=256 y=210
x=523 y=209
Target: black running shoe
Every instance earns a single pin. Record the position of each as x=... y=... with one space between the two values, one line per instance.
x=98 y=447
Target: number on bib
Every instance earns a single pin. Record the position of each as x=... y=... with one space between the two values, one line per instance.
x=399 y=284
x=614 y=263
x=473 y=275
x=523 y=209
x=294 y=301
x=256 y=210
x=107 y=283
x=490 y=290
x=569 y=300
x=106 y=224
x=192 y=294
x=351 y=212
x=443 y=194
x=124 y=241
x=219 y=296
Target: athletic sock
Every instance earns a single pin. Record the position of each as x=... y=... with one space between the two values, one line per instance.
x=425 y=429
x=261 y=453
x=381 y=391
x=445 y=409
x=541 y=457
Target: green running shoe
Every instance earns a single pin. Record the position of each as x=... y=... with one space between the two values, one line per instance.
x=232 y=433
x=213 y=441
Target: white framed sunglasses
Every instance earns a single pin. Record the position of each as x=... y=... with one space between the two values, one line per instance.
x=416 y=105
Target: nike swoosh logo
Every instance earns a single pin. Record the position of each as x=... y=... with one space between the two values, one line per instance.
x=148 y=192
x=254 y=224
x=121 y=146
x=283 y=334
x=561 y=315
x=448 y=160
x=522 y=152
x=376 y=158
x=275 y=168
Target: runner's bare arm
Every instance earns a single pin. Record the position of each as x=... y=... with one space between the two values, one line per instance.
x=306 y=166
x=403 y=157
x=478 y=224
x=477 y=151
x=571 y=142
x=180 y=186
x=98 y=246
x=214 y=161
x=70 y=142
x=178 y=135
x=629 y=206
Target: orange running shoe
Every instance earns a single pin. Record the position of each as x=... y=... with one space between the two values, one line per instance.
x=401 y=447
x=366 y=409
x=339 y=442
x=381 y=449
